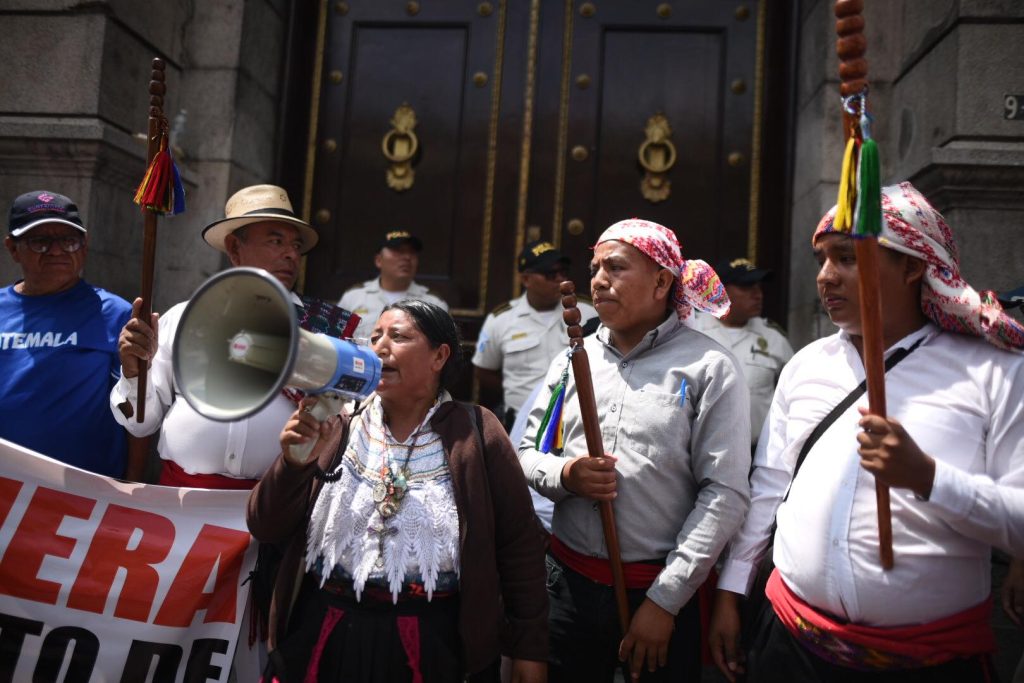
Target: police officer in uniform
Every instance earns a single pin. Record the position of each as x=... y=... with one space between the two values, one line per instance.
x=759 y=344
x=397 y=260
x=520 y=337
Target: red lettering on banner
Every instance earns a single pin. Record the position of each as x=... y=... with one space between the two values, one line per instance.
x=214 y=546
x=109 y=551
x=9 y=489
x=35 y=538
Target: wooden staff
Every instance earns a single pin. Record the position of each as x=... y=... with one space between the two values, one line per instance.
x=851 y=46
x=595 y=447
x=157 y=129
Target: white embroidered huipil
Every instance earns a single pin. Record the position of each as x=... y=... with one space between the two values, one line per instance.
x=420 y=540
x=962 y=401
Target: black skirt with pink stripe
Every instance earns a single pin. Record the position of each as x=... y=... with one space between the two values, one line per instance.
x=332 y=638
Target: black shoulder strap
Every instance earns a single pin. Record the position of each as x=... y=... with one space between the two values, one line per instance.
x=843 y=406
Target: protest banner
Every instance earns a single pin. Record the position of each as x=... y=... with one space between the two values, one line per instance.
x=102 y=580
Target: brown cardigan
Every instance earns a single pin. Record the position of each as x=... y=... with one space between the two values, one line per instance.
x=503 y=606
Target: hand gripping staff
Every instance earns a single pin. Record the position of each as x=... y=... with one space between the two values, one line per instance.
x=160 y=192
x=860 y=208
x=595 y=447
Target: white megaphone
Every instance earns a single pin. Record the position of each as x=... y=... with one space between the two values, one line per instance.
x=238 y=343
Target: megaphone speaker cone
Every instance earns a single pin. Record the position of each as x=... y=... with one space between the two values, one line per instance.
x=238 y=344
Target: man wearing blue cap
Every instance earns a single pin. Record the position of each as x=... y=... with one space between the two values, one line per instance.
x=58 y=343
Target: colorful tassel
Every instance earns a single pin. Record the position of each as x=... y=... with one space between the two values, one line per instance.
x=847 y=189
x=869 y=185
x=161 y=190
x=550 y=435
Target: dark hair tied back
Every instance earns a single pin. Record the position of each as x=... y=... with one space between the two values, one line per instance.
x=439 y=328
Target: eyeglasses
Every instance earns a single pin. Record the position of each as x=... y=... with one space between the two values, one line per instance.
x=68 y=243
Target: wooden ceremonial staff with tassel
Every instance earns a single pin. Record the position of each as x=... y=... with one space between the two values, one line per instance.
x=595 y=447
x=851 y=47
x=157 y=129
x=160 y=192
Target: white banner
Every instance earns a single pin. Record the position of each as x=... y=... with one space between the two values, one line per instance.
x=106 y=581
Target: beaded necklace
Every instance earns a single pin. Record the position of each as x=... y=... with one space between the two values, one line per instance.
x=389 y=492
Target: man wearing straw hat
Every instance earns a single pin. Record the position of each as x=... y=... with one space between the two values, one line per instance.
x=951 y=449
x=673 y=411
x=259 y=230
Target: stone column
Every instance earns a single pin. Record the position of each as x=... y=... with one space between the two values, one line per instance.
x=73 y=92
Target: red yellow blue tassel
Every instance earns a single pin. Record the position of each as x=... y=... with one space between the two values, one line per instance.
x=161 y=190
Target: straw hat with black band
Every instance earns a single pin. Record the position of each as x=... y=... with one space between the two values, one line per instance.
x=256 y=204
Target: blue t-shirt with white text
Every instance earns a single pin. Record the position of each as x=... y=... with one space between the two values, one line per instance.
x=58 y=362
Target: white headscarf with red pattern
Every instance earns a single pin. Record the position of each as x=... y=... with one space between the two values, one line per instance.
x=697 y=285
x=912 y=226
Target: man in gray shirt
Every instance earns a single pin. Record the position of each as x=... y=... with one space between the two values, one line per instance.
x=674 y=411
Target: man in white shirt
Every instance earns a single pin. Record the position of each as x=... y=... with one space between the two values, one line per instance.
x=259 y=230
x=520 y=338
x=759 y=345
x=397 y=260
x=951 y=449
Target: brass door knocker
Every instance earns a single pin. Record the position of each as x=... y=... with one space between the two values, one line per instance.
x=400 y=146
x=657 y=155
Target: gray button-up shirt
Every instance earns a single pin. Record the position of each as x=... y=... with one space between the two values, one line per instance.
x=675 y=412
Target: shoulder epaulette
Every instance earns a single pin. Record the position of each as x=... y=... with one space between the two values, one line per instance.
x=501 y=308
x=357 y=285
x=775 y=326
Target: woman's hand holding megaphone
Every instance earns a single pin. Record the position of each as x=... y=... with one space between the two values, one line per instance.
x=305 y=436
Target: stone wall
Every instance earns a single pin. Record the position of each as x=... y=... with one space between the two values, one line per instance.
x=73 y=97
x=939 y=70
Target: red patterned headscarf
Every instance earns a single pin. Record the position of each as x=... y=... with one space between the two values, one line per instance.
x=912 y=226
x=696 y=286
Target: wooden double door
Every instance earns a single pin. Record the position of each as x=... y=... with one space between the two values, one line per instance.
x=479 y=126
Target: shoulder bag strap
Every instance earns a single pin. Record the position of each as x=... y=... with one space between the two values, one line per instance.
x=842 y=407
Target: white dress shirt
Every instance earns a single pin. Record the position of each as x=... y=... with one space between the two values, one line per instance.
x=242 y=449
x=962 y=401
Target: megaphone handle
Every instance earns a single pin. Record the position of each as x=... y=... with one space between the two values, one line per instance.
x=327 y=404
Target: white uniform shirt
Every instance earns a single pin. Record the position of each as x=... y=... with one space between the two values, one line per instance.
x=521 y=342
x=243 y=449
x=761 y=350
x=368 y=301
x=962 y=401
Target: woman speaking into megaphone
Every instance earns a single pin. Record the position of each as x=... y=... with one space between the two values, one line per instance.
x=402 y=517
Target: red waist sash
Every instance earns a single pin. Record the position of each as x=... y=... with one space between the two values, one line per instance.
x=599 y=570
x=867 y=648
x=173 y=475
